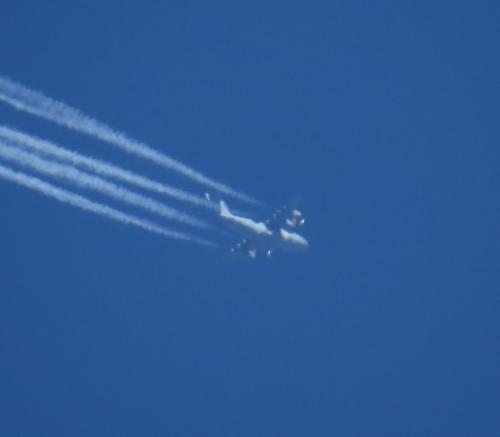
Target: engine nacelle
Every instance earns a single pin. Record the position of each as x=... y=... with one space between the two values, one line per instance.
x=295 y=220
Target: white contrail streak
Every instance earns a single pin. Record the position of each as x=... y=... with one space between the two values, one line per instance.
x=38 y=104
x=95 y=183
x=102 y=168
x=78 y=201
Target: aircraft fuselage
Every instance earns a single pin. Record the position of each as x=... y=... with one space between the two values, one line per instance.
x=260 y=236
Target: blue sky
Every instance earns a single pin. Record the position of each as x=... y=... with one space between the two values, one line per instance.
x=382 y=116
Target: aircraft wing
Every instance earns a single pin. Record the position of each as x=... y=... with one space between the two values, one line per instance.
x=244 y=246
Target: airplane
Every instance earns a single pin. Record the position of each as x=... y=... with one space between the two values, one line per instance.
x=276 y=233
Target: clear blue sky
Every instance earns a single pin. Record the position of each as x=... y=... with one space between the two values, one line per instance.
x=384 y=118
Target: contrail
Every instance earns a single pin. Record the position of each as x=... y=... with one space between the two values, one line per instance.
x=36 y=103
x=102 y=168
x=95 y=183
x=70 y=198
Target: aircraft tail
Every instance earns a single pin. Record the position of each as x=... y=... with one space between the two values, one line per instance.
x=223 y=209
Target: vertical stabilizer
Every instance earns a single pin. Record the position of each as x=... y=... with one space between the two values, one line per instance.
x=223 y=209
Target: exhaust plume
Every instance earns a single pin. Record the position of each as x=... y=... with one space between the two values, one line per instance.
x=38 y=104
x=102 y=168
x=95 y=183
x=81 y=202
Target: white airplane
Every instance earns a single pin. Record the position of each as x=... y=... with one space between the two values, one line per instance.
x=264 y=237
